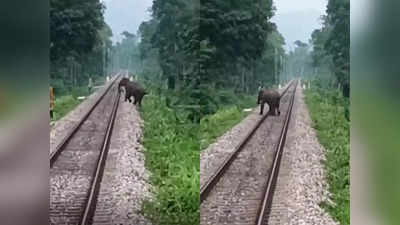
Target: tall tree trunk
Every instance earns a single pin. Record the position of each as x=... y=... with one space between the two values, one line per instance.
x=171 y=82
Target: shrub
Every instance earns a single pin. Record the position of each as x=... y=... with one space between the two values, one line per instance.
x=172 y=156
x=328 y=113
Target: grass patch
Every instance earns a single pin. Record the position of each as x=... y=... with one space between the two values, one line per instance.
x=172 y=156
x=214 y=125
x=328 y=110
x=63 y=105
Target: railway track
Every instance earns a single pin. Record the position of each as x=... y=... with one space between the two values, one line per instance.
x=241 y=189
x=77 y=164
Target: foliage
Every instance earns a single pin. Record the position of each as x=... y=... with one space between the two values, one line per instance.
x=74 y=26
x=62 y=87
x=172 y=156
x=228 y=112
x=79 y=43
x=234 y=37
x=175 y=40
x=299 y=62
x=332 y=43
x=327 y=112
x=64 y=105
x=338 y=43
x=125 y=54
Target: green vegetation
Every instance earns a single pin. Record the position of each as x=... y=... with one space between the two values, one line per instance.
x=68 y=101
x=327 y=108
x=214 y=125
x=63 y=105
x=332 y=44
x=172 y=156
x=80 y=44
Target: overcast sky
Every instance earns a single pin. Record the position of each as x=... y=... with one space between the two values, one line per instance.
x=126 y=15
x=284 y=6
x=295 y=19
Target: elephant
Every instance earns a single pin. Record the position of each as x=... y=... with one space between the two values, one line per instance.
x=122 y=83
x=135 y=90
x=272 y=97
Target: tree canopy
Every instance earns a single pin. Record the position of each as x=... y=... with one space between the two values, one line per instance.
x=332 y=42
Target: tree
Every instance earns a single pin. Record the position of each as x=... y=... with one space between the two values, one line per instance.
x=74 y=27
x=338 y=43
x=79 y=42
x=233 y=36
x=332 y=43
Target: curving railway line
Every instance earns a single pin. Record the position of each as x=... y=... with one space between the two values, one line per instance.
x=240 y=191
x=77 y=164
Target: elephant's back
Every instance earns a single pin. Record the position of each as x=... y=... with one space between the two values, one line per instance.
x=134 y=87
x=270 y=95
x=124 y=81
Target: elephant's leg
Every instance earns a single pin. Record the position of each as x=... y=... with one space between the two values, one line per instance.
x=261 y=108
x=277 y=106
x=271 y=109
x=140 y=100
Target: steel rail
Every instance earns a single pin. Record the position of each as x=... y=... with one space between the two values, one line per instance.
x=60 y=147
x=213 y=180
x=270 y=187
x=90 y=205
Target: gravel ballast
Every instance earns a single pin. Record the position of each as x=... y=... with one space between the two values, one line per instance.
x=214 y=155
x=125 y=182
x=301 y=184
x=235 y=198
x=61 y=127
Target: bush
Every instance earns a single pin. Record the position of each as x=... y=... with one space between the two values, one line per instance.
x=231 y=112
x=328 y=113
x=58 y=86
x=62 y=105
x=80 y=91
x=213 y=126
x=172 y=156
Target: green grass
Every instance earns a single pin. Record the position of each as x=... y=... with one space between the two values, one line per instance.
x=63 y=105
x=327 y=110
x=172 y=156
x=214 y=125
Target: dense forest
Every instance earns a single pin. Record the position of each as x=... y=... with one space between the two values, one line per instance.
x=80 y=43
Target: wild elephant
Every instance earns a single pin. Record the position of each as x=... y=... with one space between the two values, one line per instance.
x=272 y=98
x=135 y=90
x=122 y=83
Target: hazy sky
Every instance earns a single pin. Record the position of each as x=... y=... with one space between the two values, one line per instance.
x=284 y=6
x=295 y=19
x=126 y=15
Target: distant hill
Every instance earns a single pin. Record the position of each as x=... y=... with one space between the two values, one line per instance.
x=297 y=25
